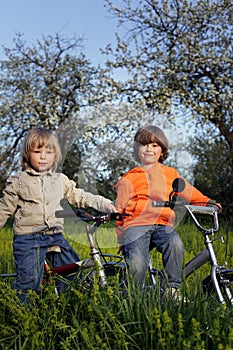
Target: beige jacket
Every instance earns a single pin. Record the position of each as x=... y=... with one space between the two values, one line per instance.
x=33 y=199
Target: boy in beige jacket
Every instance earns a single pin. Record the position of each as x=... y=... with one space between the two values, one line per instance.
x=33 y=196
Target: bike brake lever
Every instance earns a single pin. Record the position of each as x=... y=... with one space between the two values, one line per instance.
x=117 y=216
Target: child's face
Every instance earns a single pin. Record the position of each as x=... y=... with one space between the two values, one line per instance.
x=43 y=158
x=149 y=154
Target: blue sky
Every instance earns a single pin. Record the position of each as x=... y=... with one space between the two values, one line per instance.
x=34 y=18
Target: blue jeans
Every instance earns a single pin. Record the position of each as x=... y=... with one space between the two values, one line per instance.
x=139 y=240
x=30 y=253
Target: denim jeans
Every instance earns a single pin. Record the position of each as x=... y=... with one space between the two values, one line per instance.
x=139 y=240
x=29 y=254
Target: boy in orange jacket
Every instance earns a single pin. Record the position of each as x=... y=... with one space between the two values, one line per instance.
x=147 y=227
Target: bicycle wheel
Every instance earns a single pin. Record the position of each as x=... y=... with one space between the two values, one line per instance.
x=115 y=272
x=225 y=280
x=198 y=261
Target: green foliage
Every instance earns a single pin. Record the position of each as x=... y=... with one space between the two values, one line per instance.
x=108 y=319
x=213 y=170
x=177 y=53
x=113 y=170
x=72 y=162
x=6 y=255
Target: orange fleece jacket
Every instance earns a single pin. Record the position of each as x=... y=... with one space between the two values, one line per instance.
x=139 y=187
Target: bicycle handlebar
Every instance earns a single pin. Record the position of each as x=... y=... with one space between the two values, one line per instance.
x=193 y=207
x=194 y=210
x=84 y=216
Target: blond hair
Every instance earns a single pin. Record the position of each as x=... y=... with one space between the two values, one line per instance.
x=40 y=137
x=149 y=134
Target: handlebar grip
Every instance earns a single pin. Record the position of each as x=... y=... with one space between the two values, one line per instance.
x=161 y=204
x=195 y=209
x=88 y=217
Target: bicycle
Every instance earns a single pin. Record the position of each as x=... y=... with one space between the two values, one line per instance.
x=220 y=279
x=101 y=267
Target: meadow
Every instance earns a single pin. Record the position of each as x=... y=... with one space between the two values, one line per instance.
x=108 y=319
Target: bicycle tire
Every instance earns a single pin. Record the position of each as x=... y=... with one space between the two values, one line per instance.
x=198 y=261
x=113 y=270
x=115 y=274
x=225 y=280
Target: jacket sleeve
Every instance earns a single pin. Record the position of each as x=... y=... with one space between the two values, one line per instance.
x=81 y=199
x=9 y=201
x=194 y=196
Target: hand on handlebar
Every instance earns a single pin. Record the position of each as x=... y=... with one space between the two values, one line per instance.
x=219 y=207
x=111 y=208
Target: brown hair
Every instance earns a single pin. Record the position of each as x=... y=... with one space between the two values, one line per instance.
x=149 y=134
x=39 y=137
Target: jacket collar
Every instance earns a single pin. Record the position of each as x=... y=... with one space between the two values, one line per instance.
x=32 y=171
x=140 y=169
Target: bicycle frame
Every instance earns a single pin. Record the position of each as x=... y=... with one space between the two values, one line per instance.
x=95 y=261
x=208 y=254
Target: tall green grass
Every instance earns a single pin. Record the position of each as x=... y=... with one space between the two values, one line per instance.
x=108 y=319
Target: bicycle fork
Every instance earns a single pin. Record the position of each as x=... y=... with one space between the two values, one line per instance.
x=214 y=271
x=96 y=256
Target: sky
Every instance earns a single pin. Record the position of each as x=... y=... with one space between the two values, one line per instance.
x=34 y=18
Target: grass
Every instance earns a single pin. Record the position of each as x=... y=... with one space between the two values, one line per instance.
x=106 y=319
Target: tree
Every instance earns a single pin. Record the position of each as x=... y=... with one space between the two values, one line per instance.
x=107 y=178
x=107 y=146
x=44 y=85
x=51 y=84
x=212 y=169
x=178 y=53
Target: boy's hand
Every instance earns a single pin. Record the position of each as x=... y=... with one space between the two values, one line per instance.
x=112 y=209
x=218 y=205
